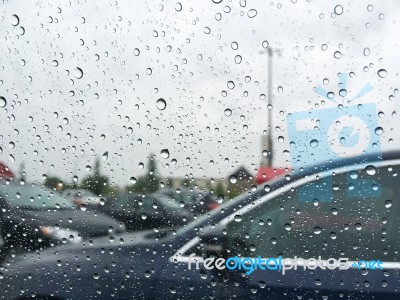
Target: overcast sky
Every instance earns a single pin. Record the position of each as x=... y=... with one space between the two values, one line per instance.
x=131 y=53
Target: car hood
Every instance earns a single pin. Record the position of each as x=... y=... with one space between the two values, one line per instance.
x=88 y=223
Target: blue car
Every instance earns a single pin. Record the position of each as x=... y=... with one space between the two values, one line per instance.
x=326 y=232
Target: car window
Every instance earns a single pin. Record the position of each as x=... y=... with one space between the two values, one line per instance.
x=360 y=221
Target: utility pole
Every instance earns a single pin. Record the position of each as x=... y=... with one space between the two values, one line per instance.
x=267 y=143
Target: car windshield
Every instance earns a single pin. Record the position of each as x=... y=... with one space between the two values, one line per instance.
x=34 y=197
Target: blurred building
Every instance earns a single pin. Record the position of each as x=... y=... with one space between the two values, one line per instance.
x=5 y=172
x=240 y=181
x=266 y=171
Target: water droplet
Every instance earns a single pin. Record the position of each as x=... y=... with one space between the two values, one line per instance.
x=252 y=13
x=144 y=216
x=238 y=59
x=337 y=54
x=14 y=20
x=314 y=143
x=161 y=104
x=78 y=73
x=378 y=130
x=371 y=170
x=317 y=230
x=136 y=52
x=133 y=180
x=105 y=155
x=207 y=30
x=338 y=10
x=366 y=51
x=237 y=218
x=228 y=112
x=3 y=101
x=388 y=203
x=262 y=284
x=178 y=6
x=233 y=179
x=358 y=226
x=164 y=153
x=265 y=44
x=342 y=93
x=353 y=175
x=288 y=227
x=231 y=85
x=382 y=73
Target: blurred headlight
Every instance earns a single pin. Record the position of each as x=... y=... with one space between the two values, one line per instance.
x=61 y=234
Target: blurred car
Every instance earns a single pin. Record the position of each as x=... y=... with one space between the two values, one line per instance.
x=81 y=197
x=34 y=217
x=193 y=200
x=356 y=216
x=140 y=212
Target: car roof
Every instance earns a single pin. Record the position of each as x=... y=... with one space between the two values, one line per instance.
x=325 y=166
x=343 y=162
x=246 y=198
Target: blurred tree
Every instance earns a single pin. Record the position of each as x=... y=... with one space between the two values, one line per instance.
x=53 y=182
x=220 y=189
x=96 y=183
x=240 y=181
x=153 y=181
x=148 y=183
x=21 y=171
x=186 y=183
x=169 y=182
